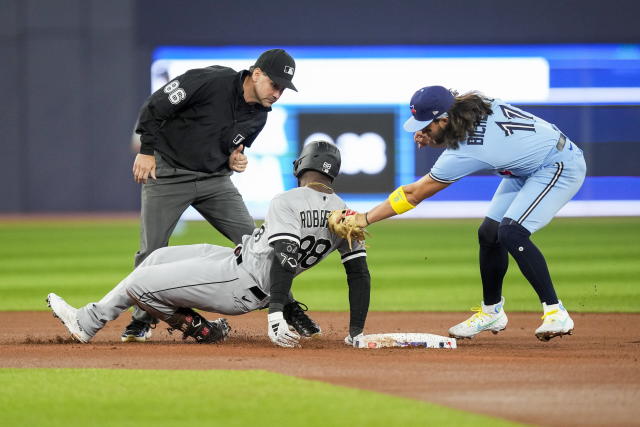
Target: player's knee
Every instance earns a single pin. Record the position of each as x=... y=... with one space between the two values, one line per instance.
x=488 y=232
x=512 y=235
x=155 y=257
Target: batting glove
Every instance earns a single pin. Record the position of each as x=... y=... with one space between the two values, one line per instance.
x=351 y=341
x=279 y=332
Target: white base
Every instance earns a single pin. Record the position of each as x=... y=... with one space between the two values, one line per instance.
x=408 y=339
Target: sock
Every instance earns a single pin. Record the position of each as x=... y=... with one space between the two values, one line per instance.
x=494 y=260
x=529 y=258
x=551 y=307
x=491 y=309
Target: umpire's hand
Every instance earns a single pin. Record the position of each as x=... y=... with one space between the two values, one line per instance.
x=238 y=161
x=144 y=167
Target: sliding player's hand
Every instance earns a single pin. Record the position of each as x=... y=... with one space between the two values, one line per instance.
x=279 y=331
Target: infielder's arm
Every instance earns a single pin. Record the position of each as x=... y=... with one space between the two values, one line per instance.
x=401 y=200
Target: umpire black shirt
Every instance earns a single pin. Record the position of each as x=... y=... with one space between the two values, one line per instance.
x=197 y=119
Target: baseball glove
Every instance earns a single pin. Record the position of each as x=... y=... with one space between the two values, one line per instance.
x=343 y=224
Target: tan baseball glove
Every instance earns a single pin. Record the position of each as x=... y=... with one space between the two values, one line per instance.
x=343 y=223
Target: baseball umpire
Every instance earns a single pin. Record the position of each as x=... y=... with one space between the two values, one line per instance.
x=259 y=272
x=193 y=134
x=541 y=168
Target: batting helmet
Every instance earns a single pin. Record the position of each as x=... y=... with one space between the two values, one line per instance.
x=320 y=156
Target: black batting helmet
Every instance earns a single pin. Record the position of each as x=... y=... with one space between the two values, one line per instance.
x=320 y=156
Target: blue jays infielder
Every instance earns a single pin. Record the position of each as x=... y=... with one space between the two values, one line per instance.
x=541 y=168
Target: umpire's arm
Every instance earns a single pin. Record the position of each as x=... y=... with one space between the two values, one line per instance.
x=359 y=281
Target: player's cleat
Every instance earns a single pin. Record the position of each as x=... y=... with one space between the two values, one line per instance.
x=192 y=324
x=68 y=316
x=223 y=327
x=297 y=319
x=555 y=322
x=136 y=331
x=487 y=318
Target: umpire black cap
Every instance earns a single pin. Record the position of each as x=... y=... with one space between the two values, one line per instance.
x=320 y=156
x=279 y=66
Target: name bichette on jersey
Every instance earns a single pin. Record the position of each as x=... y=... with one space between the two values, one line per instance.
x=314 y=218
x=477 y=136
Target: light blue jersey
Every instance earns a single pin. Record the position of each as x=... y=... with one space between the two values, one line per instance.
x=509 y=142
x=542 y=168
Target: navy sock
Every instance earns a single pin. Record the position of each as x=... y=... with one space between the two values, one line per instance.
x=494 y=260
x=515 y=238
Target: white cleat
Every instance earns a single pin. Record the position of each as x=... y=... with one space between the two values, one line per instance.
x=487 y=318
x=68 y=316
x=555 y=322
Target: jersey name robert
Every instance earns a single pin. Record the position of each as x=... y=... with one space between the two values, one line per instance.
x=314 y=218
x=477 y=137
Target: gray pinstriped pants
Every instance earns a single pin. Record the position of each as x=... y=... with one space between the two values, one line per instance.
x=204 y=277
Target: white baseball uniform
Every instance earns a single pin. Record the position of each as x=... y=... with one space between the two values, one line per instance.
x=221 y=279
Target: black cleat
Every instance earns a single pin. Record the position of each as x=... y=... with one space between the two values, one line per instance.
x=295 y=316
x=192 y=324
x=136 y=331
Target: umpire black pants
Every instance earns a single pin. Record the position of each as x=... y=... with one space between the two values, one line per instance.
x=166 y=198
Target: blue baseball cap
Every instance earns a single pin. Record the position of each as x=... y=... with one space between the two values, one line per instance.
x=428 y=104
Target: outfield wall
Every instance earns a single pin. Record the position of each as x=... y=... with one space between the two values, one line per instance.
x=75 y=72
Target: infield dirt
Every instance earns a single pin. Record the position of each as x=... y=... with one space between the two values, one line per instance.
x=590 y=378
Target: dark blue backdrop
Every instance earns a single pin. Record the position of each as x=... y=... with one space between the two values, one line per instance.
x=74 y=72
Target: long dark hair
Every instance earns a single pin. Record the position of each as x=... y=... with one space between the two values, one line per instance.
x=467 y=111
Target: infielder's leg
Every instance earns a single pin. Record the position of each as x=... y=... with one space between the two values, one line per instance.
x=220 y=203
x=535 y=204
x=494 y=258
x=541 y=197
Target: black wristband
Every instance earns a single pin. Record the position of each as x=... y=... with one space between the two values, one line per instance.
x=275 y=307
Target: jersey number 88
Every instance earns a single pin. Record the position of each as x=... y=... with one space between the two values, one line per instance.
x=311 y=251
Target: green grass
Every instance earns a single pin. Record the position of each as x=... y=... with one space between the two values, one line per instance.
x=81 y=397
x=415 y=264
